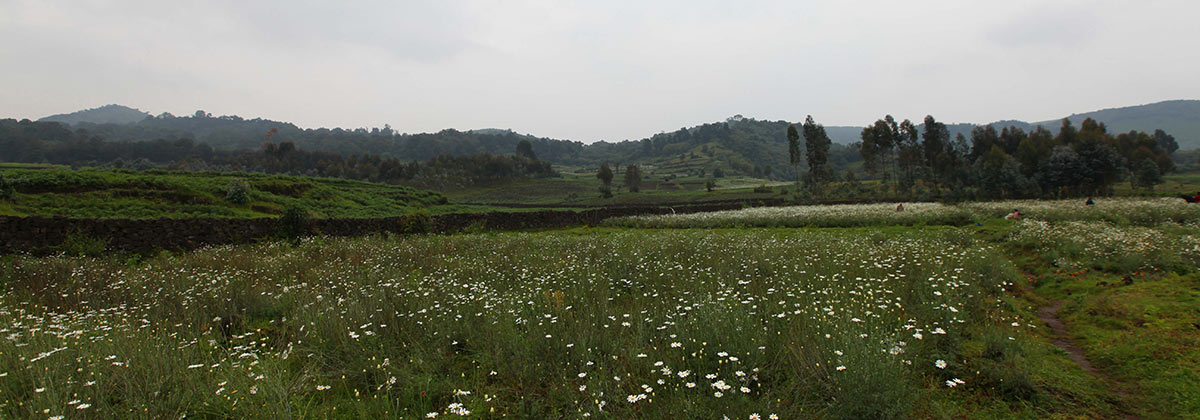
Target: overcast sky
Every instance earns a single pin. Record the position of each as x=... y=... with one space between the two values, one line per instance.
x=596 y=70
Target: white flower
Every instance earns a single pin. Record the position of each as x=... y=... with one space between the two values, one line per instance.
x=941 y=364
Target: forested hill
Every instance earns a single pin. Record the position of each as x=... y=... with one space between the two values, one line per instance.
x=108 y=114
x=743 y=145
x=1180 y=118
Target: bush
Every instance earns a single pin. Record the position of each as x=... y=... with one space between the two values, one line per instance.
x=79 y=244
x=237 y=192
x=293 y=225
x=7 y=192
x=419 y=222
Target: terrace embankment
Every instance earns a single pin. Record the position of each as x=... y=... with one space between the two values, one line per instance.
x=44 y=234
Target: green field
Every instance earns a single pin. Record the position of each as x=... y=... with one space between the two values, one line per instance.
x=582 y=189
x=95 y=193
x=897 y=320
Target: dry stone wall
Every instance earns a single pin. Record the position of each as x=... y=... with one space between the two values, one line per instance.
x=40 y=235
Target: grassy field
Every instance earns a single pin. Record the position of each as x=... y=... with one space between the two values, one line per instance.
x=881 y=322
x=582 y=189
x=59 y=191
x=1121 y=211
x=615 y=324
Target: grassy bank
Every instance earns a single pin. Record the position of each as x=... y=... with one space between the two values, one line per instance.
x=95 y=193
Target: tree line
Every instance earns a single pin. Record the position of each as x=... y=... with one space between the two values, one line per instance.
x=48 y=142
x=1009 y=163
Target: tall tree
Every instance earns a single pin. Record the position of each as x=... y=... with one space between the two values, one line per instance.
x=525 y=149
x=909 y=155
x=936 y=142
x=794 y=154
x=816 y=144
x=633 y=178
x=1166 y=141
x=606 y=176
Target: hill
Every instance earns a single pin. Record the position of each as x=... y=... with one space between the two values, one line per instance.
x=95 y=193
x=1180 y=118
x=738 y=145
x=108 y=114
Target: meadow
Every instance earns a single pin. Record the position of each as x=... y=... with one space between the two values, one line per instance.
x=1120 y=211
x=912 y=319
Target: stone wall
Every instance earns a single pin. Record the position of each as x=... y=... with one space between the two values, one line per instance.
x=40 y=235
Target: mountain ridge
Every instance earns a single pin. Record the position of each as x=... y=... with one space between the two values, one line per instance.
x=106 y=114
x=1178 y=117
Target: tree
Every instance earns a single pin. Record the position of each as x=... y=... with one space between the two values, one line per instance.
x=935 y=140
x=997 y=173
x=1102 y=166
x=816 y=144
x=606 y=176
x=1166 y=141
x=525 y=149
x=870 y=149
x=633 y=178
x=710 y=184
x=909 y=155
x=794 y=155
x=1146 y=174
x=1064 y=171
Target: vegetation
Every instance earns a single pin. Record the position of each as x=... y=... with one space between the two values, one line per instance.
x=1124 y=212
x=606 y=176
x=276 y=330
x=887 y=322
x=96 y=193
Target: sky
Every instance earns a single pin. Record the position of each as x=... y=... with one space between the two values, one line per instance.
x=595 y=70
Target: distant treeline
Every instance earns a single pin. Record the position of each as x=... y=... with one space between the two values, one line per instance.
x=752 y=141
x=50 y=142
x=1009 y=163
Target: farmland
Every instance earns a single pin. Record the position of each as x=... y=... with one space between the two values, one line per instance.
x=906 y=318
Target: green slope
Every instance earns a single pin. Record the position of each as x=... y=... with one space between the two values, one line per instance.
x=95 y=193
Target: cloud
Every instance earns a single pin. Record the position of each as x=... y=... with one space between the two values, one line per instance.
x=593 y=70
x=1058 y=26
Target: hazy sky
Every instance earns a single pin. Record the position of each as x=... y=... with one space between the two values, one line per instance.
x=596 y=70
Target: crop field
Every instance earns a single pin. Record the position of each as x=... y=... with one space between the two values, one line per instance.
x=906 y=321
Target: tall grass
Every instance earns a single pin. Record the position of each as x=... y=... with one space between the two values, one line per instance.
x=667 y=324
x=1121 y=212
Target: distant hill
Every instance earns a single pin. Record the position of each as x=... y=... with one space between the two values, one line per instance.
x=1179 y=118
x=108 y=114
x=738 y=145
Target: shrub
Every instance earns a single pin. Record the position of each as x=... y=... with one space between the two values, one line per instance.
x=237 y=192
x=6 y=189
x=419 y=222
x=293 y=225
x=80 y=244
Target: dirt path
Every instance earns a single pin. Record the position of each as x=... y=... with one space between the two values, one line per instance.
x=1062 y=340
x=1049 y=315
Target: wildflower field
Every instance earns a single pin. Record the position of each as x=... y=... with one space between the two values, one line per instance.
x=1121 y=211
x=892 y=322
